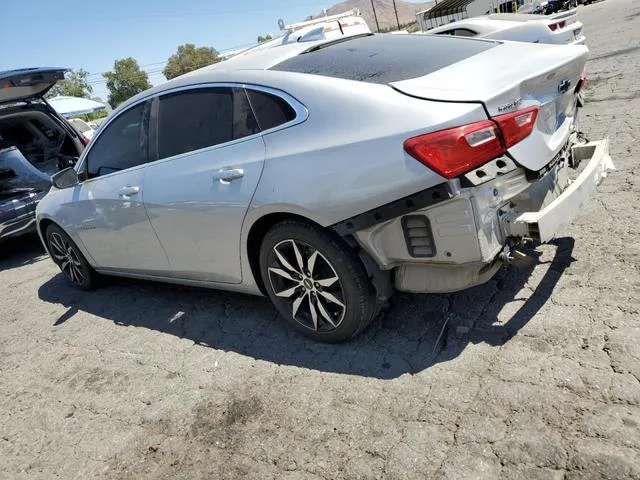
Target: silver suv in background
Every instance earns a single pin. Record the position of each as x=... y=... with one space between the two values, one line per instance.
x=35 y=143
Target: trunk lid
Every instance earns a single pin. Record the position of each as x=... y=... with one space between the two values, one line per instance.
x=26 y=83
x=512 y=76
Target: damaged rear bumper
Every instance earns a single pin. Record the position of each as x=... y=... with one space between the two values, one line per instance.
x=462 y=240
x=542 y=225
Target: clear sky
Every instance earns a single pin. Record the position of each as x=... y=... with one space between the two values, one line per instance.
x=91 y=34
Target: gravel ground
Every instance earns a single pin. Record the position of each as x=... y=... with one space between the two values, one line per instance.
x=537 y=375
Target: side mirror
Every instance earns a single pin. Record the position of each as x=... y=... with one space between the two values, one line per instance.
x=65 y=178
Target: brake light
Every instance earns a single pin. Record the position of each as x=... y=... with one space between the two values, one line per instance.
x=457 y=150
x=516 y=126
x=84 y=140
x=554 y=26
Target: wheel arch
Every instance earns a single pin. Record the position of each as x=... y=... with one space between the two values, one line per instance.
x=42 y=226
x=256 y=234
x=43 y=223
x=380 y=280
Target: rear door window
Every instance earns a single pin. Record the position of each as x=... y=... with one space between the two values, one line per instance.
x=199 y=118
x=270 y=110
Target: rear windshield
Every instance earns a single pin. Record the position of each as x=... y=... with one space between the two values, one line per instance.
x=384 y=58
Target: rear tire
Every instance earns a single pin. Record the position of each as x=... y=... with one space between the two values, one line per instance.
x=316 y=282
x=66 y=254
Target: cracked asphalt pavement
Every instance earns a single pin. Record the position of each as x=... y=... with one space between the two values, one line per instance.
x=535 y=376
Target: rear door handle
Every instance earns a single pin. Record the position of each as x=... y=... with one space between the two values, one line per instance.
x=226 y=175
x=129 y=191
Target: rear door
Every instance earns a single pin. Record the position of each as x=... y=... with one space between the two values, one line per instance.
x=208 y=155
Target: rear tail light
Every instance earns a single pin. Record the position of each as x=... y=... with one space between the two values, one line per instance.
x=516 y=126
x=554 y=26
x=457 y=150
x=84 y=140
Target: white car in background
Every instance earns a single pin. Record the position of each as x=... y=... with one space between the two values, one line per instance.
x=85 y=128
x=561 y=28
x=327 y=28
x=323 y=28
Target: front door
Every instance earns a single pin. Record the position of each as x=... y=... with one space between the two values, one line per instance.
x=107 y=211
x=209 y=160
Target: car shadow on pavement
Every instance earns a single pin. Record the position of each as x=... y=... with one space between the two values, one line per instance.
x=20 y=251
x=412 y=334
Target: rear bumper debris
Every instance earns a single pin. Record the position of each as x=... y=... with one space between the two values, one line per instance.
x=542 y=225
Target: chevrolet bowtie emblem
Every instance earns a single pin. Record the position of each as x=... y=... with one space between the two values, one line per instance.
x=564 y=86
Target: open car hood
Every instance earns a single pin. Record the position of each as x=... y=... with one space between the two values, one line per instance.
x=25 y=83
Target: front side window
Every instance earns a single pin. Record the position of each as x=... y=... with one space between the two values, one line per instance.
x=122 y=145
x=200 y=118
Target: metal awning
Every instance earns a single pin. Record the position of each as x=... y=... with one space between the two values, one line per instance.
x=71 y=106
x=447 y=7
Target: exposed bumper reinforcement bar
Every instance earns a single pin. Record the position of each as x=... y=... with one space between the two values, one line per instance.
x=543 y=224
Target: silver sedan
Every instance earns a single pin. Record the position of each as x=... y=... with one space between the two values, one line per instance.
x=327 y=175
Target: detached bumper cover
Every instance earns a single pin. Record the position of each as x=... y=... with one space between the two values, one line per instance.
x=543 y=224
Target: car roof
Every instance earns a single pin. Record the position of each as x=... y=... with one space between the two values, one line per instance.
x=327 y=59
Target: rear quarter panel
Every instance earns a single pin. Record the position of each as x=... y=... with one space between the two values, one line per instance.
x=348 y=156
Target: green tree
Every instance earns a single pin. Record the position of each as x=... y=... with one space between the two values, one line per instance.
x=264 y=38
x=125 y=81
x=189 y=58
x=74 y=85
x=87 y=117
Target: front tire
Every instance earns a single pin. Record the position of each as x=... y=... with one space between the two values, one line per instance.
x=66 y=254
x=316 y=282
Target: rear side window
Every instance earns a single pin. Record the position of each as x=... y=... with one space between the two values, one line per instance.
x=270 y=110
x=384 y=58
x=200 y=118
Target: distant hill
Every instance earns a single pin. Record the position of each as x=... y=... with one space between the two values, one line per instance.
x=384 y=11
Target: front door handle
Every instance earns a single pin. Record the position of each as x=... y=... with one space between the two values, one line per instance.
x=226 y=175
x=129 y=191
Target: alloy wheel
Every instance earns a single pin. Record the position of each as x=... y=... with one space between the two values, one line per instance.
x=304 y=278
x=66 y=257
